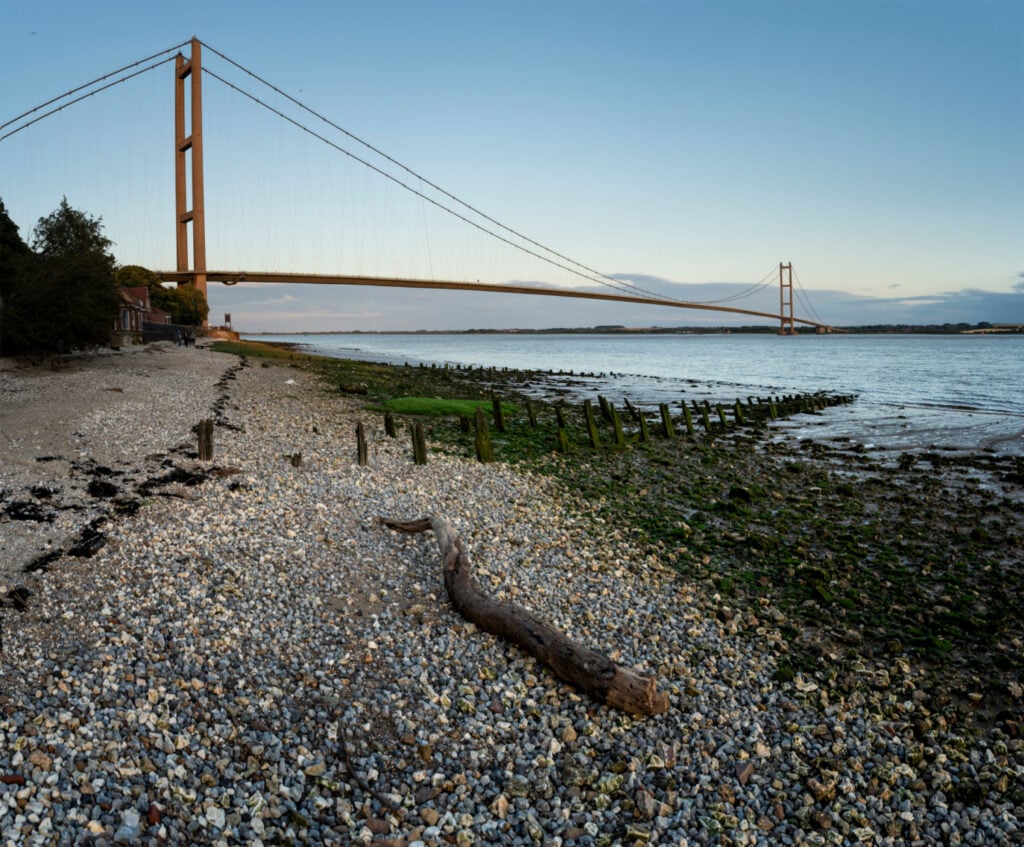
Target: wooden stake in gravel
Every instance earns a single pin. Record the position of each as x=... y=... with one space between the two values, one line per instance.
x=205 y=430
x=484 y=450
x=419 y=444
x=587 y=670
x=362 y=452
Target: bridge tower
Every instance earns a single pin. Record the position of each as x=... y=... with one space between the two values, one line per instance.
x=191 y=70
x=786 y=326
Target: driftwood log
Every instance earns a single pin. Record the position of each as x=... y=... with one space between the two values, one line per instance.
x=587 y=670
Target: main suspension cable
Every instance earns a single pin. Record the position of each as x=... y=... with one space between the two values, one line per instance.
x=801 y=292
x=87 y=85
x=766 y=280
x=78 y=99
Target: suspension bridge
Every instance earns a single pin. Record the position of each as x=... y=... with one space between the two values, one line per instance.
x=191 y=219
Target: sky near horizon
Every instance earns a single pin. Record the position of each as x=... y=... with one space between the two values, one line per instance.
x=879 y=146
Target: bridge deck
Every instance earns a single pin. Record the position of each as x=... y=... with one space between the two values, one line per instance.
x=234 y=277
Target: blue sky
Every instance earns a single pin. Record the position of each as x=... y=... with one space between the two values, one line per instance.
x=879 y=146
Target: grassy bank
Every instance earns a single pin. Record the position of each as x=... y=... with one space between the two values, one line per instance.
x=903 y=570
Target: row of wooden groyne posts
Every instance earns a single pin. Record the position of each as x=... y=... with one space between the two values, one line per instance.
x=756 y=411
x=696 y=418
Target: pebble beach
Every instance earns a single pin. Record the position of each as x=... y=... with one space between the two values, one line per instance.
x=243 y=654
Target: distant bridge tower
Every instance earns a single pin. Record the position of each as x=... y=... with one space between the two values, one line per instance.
x=786 y=326
x=191 y=70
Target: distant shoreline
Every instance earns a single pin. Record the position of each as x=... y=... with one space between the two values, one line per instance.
x=618 y=329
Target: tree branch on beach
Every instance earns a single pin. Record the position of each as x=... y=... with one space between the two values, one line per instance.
x=587 y=670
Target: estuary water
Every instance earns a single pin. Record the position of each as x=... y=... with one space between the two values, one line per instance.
x=962 y=392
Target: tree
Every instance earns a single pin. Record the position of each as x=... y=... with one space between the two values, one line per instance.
x=63 y=296
x=136 y=276
x=67 y=232
x=13 y=254
x=13 y=249
x=188 y=306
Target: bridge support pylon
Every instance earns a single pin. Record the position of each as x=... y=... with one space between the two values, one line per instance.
x=786 y=323
x=184 y=144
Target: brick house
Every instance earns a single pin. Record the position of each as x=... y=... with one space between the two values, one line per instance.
x=134 y=311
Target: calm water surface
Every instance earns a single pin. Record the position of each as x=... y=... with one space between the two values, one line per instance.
x=914 y=391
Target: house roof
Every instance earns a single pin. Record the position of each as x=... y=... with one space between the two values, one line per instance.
x=128 y=297
x=141 y=294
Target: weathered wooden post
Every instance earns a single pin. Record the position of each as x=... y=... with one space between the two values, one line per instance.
x=606 y=411
x=560 y=416
x=645 y=434
x=205 y=432
x=419 y=444
x=738 y=413
x=667 y=429
x=704 y=413
x=389 y=425
x=499 y=415
x=362 y=453
x=563 y=441
x=633 y=411
x=484 y=451
x=688 y=418
x=721 y=416
x=588 y=413
x=531 y=413
x=620 y=436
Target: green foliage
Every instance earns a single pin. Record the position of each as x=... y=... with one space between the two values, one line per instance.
x=66 y=233
x=12 y=250
x=187 y=305
x=61 y=295
x=62 y=305
x=13 y=253
x=136 y=276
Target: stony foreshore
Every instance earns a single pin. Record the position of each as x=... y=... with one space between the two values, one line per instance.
x=253 y=659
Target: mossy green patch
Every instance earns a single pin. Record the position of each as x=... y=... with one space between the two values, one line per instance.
x=262 y=350
x=440 y=407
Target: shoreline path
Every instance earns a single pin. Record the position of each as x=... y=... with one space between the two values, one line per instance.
x=254 y=660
